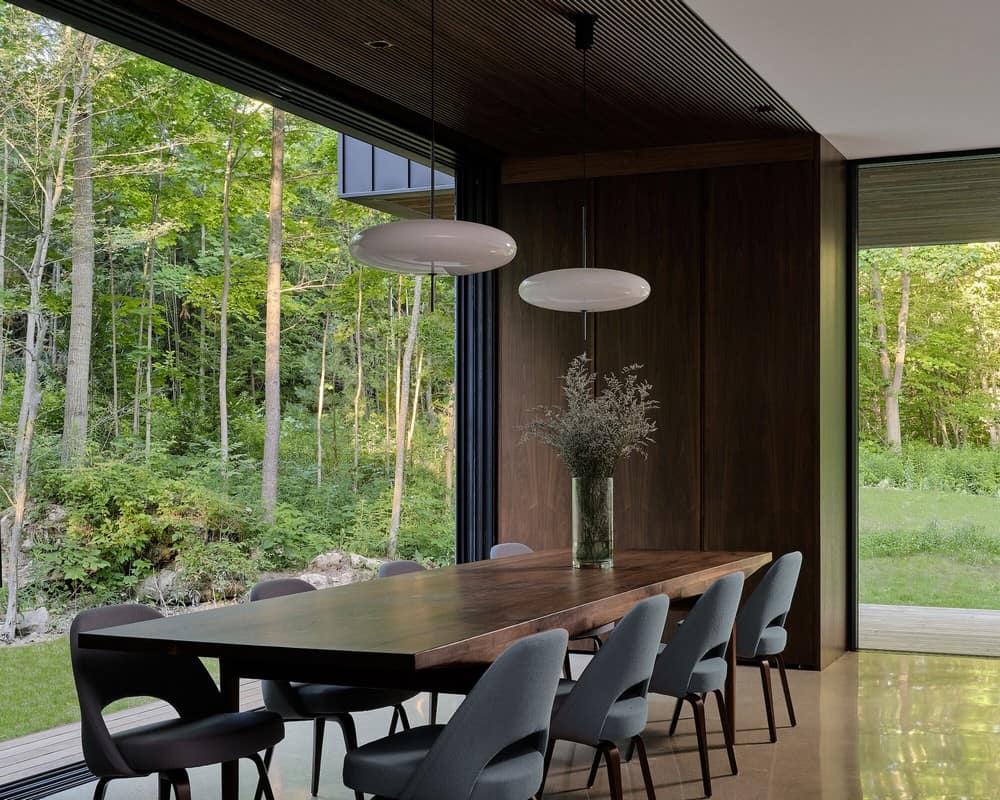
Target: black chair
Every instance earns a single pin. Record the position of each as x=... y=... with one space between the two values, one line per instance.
x=204 y=733
x=299 y=702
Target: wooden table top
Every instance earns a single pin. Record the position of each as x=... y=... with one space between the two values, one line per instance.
x=449 y=617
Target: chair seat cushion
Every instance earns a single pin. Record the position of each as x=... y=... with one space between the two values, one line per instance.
x=317 y=699
x=626 y=718
x=186 y=743
x=772 y=641
x=707 y=676
x=385 y=767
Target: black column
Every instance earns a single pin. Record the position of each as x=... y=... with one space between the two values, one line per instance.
x=477 y=187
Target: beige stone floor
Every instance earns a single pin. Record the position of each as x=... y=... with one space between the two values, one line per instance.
x=873 y=725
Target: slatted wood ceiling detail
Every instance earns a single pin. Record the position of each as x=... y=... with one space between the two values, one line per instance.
x=932 y=202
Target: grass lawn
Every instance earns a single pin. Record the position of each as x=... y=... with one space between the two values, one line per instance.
x=37 y=691
x=933 y=577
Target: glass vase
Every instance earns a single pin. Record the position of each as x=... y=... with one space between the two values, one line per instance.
x=593 y=523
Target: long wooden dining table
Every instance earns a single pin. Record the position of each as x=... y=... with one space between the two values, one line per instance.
x=435 y=630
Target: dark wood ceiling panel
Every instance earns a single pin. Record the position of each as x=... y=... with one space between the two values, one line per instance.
x=509 y=76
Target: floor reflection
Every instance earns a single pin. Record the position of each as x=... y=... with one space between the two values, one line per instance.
x=873 y=726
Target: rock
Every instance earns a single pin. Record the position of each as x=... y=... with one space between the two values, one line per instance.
x=315 y=579
x=361 y=562
x=327 y=561
x=167 y=587
x=37 y=620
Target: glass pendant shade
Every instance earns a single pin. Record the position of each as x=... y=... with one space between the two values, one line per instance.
x=433 y=246
x=584 y=289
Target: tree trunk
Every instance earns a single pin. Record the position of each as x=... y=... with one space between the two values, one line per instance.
x=416 y=401
x=151 y=258
x=272 y=337
x=75 y=417
x=449 y=455
x=227 y=180
x=892 y=369
x=114 y=343
x=359 y=377
x=404 y=397
x=320 y=397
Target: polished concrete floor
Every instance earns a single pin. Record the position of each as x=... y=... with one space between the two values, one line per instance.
x=873 y=725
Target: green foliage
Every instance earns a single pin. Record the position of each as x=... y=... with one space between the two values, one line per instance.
x=972 y=470
x=968 y=544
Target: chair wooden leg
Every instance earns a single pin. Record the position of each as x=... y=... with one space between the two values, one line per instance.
x=614 y=770
x=319 y=727
x=784 y=685
x=434 y=708
x=164 y=787
x=647 y=776
x=182 y=787
x=699 y=724
x=263 y=781
x=347 y=727
x=567 y=672
x=727 y=732
x=593 y=768
x=545 y=769
x=677 y=715
x=394 y=721
x=765 y=682
x=268 y=756
x=630 y=752
x=102 y=788
x=404 y=720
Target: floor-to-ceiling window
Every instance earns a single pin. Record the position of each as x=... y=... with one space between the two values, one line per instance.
x=137 y=228
x=928 y=311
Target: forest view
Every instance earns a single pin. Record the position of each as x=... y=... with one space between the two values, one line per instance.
x=929 y=424
x=193 y=372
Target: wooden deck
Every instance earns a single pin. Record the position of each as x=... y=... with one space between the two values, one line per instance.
x=919 y=629
x=60 y=746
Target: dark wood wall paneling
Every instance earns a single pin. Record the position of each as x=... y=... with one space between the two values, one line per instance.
x=535 y=347
x=744 y=340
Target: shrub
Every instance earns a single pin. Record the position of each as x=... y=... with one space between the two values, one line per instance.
x=968 y=544
x=969 y=470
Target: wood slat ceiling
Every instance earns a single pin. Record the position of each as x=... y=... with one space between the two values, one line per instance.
x=509 y=76
x=952 y=201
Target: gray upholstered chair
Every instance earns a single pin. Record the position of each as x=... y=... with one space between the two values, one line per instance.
x=760 y=629
x=404 y=566
x=492 y=747
x=693 y=664
x=204 y=733
x=321 y=702
x=399 y=567
x=608 y=702
x=507 y=549
x=594 y=636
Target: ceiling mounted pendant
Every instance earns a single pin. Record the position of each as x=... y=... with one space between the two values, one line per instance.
x=584 y=289
x=433 y=246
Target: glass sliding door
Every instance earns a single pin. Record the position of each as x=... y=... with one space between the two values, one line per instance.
x=928 y=313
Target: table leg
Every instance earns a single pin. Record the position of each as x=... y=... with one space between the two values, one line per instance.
x=731 y=681
x=229 y=685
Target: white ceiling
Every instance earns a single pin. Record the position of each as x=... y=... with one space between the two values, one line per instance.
x=876 y=77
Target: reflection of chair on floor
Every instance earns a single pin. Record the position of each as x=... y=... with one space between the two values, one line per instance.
x=693 y=663
x=760 y=629
x=202 y=734
x=594 y=636
x=320 y=702
x=491 y=747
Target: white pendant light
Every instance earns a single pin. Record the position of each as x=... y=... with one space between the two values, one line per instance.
x=585 y=289
x=433 y=246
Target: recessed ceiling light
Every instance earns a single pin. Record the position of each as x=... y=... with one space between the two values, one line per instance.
x=379 y=44
x=763 y=108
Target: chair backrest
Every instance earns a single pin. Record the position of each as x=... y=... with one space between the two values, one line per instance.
x=704 y=634
x=510 y=705
x=506 y=549
x=769 y=604
x=278 y=695
x=620 y=669
x=104 y=676
x=400 y=567
x=279 y=587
